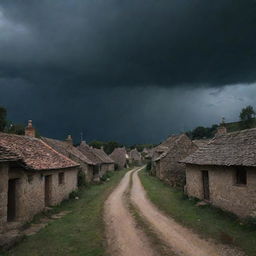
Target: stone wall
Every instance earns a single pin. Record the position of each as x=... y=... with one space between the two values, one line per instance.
x=224 y=193
x=30 y=191
x=3 y=193
x=168 y=167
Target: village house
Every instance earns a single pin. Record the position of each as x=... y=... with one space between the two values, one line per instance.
x=223 y=172
x=167 y=156
x=135 y=157
x=32 y=176
x=120 y=157
x=66 y=148
x=99 y=158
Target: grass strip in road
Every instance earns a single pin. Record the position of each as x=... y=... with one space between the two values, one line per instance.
x=80 y=233
x=207 y=221
x=146 y=227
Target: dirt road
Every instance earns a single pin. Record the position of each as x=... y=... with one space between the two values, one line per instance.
x=123 y=237
x=182 y=240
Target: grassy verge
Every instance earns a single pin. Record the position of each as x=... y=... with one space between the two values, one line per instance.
x=80 y=233
x=206 y=221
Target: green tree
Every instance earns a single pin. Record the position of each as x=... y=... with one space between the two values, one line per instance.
x=247 y=116
x=3 y=121
x=16 y=129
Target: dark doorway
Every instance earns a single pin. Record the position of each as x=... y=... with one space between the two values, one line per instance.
x=11 y=207
x=206 y=189
x=47 y=190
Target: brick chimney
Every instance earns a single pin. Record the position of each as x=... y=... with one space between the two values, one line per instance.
x=69 y=140
x=30 y=130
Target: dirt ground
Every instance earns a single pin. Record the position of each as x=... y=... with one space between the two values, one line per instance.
x=125 y=239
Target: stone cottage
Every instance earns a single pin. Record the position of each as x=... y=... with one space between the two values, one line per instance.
x=102 y=162
x=223 y=172
x=32 y=176
x=66 y=148
x=135 y=157
x=120 y=157
x=167 y=156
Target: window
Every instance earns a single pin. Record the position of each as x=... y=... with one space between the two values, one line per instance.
x=61 y=178
x=241 y=176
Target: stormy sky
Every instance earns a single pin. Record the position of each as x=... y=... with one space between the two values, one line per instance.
x=134 y=71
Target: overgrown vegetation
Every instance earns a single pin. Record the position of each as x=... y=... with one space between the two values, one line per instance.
x=107 y=146
x=247 y=120
x=80 y=233
x=206 y=220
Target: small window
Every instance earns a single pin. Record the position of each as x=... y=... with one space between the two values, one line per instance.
x=241 y=176
x=61 y=178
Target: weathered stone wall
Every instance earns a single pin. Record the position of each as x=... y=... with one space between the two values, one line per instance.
x=168 y=167
x=3 y=193
x=30 y=191
x=62 y=191
x=224 y=193
x=88 y=171
x=111 y=167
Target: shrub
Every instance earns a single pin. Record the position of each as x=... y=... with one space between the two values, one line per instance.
x=74 y=194
x=149 y=165
x=81 y=181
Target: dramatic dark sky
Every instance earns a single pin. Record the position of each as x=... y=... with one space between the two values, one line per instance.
x=132 y=70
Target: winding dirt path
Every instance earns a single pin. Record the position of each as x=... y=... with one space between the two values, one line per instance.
x=123 y=237
x=182 y=240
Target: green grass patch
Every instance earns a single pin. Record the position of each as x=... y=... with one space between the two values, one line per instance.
x=80 y=233
x=207 y=221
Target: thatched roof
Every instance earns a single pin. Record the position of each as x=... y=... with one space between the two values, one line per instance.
x=34 y=153
x=103 y=156
x=236 y=148
x=201 y=143
x=119 y=156
x=97 y=156
x=173 y=142
x=65 y=148
x=135 y=155
x=163 y=148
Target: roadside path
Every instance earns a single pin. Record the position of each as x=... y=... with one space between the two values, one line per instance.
x=182 y=240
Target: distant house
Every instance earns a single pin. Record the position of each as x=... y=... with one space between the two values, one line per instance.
x=100 y=159
x=223 y=172
x=167 y=156
x=66 y=148
x=120 y=157
x=135 y=157
x=32 y=176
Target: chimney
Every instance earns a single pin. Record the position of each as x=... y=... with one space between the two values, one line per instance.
x=102 y=148
x=69 y=140
x=30 y=130
x=221 y=130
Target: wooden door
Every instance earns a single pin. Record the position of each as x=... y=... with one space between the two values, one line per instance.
x=47 y=190
x=206 y=189
x=11 y=207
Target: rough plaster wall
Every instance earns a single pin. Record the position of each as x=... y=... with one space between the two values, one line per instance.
x=61 y=192
x=194 y=182
x=224 y=193
x=3 y=193
x=239 y=199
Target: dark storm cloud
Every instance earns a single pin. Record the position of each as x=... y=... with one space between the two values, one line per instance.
x=148 y=42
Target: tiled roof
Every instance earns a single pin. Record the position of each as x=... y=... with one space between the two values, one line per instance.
x=236 y=148
x=97 y=156
x=7 y=155
x=103 y=156
x=67 y=149
x=35 y=153
x=88 y=152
